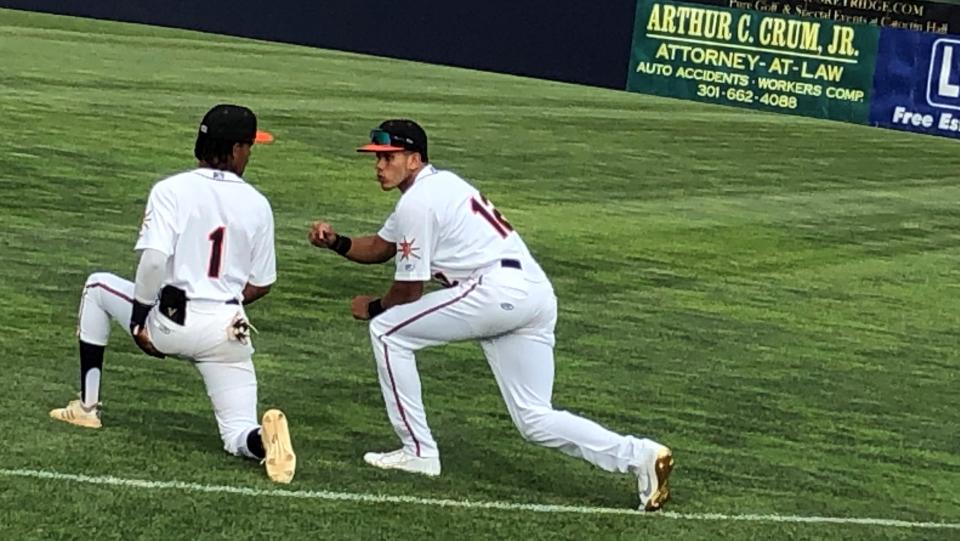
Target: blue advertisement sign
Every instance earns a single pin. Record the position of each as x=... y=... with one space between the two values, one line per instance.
x=916 y=85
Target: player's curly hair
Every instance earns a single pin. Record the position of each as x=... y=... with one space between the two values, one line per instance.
x=214 y=152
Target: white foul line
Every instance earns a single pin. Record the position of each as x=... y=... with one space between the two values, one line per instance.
x=463 y=504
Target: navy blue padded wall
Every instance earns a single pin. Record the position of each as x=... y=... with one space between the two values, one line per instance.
x=565 y=40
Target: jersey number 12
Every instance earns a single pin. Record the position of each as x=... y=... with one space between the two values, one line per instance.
x=216 y=252
x=492 y=215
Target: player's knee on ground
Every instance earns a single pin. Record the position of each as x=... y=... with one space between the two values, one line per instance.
x=534 y=423
x=235 y=441
x=234 y=435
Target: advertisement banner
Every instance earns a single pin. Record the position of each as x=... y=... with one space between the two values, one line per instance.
x=917 y=83
x=766 y=61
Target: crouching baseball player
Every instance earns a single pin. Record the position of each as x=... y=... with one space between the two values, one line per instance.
x=207 y=249
x=443 y=228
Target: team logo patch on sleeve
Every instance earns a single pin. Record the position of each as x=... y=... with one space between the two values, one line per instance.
x=145 y=222
x=407 y=249
x=408 y=253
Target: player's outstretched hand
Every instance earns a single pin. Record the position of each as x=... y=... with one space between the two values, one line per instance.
x=322 y=235
x=360 y=307
x=142 y=339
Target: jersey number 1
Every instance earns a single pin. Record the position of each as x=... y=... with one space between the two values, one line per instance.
x=491 y=215
x=216 y=252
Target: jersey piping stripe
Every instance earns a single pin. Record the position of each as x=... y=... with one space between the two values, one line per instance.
x=429 y=311
x=110 y=290
x=396 y=396
x=386 y=356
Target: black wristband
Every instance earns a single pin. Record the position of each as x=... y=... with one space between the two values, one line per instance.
x=375 y=308
x=341 y=245
x=138 y=318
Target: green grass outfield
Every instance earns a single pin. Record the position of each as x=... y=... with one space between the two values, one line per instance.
x=774 y=297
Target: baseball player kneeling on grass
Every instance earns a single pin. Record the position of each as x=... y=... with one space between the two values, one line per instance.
x=207 y=239
x=443 y=228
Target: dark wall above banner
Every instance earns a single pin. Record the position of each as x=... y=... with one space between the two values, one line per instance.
x=561 y=40
x=916 y=15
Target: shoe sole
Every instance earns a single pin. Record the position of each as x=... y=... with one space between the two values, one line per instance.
x=62 y=415
x=281 y=461
x=663 y=468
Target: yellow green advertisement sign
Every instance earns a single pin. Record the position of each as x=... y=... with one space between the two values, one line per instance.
x=762 y=60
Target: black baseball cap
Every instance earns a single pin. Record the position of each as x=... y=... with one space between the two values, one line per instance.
x=397 y=135
x=231 y=124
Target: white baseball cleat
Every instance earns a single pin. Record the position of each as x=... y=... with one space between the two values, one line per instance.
x=652 y=480
x=76 y=414
x=281 y=461
x=401 y=460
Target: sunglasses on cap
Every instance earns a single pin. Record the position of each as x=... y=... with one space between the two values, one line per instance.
x=381 y=137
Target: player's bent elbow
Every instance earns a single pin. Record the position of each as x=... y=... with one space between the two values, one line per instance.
x=252 y=292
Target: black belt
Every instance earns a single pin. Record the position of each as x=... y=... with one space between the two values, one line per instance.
x=511 y=264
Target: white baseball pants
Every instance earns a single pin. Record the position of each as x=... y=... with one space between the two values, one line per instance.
x=225 y=365
x=513 y=318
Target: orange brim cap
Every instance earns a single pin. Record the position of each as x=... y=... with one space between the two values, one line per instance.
x=379 y=148
x=263 y=137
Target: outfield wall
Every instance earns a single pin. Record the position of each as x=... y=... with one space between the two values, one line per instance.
x=562 y=40
x=887 y=63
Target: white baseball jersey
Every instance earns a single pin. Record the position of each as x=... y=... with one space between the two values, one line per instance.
x=446 y=230
x=217 y=230
x=442 y=225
